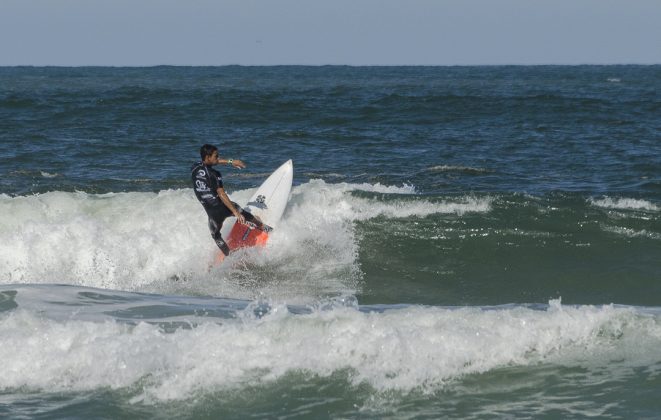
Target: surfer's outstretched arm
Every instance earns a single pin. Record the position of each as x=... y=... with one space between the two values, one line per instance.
x=236 y=163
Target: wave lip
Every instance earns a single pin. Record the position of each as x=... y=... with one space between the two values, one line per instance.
x=336 y=202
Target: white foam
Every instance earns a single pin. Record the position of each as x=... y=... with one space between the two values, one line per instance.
x=624 y=204
x=137 y=241
x=632 y=233
x=378 y=187
x=333 y=202
x=119 y=240
x=453 y=168
x=415 y=348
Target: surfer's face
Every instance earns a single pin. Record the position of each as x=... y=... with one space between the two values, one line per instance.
x=211 y=159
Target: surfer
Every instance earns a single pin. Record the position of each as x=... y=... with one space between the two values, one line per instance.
x=209 y=190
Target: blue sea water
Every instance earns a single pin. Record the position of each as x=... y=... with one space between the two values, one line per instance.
x=469 y=242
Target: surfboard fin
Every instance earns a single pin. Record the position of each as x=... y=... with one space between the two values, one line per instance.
x=260 y=226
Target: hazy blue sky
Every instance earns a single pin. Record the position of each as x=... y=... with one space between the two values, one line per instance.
x=355 y=32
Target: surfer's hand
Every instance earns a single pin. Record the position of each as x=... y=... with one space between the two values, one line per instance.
x=241 y=219
x=238 y=163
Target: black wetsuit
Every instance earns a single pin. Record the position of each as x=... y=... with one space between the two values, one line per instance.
x=206 y=182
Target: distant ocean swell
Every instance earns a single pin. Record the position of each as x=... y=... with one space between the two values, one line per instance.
x=413 y=103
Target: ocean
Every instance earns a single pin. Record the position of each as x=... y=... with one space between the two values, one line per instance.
x=460 y=242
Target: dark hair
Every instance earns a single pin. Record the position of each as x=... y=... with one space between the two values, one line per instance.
x=207 y=150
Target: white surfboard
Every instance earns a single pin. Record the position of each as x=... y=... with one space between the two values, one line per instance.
x=267 y=203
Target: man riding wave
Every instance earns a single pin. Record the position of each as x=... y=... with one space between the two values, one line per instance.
x=209 y=190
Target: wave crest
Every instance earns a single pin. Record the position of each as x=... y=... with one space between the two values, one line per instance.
x=624 y=204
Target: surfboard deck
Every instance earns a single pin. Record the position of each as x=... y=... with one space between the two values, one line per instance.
x=267 y=204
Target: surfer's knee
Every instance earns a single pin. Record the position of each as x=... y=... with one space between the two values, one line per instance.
x=222 y=245
x=213 y=227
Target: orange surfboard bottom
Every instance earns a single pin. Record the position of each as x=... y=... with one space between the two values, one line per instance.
x=242 y=236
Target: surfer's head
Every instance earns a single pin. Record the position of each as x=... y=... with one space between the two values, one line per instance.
x=207 y=150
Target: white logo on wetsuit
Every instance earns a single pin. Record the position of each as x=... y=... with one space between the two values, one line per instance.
x=201 y=186
x=201 y=173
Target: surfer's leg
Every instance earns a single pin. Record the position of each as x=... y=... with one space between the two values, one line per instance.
x=250 y=218
x=214 y=227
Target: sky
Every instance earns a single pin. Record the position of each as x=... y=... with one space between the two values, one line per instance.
x=316 y=32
